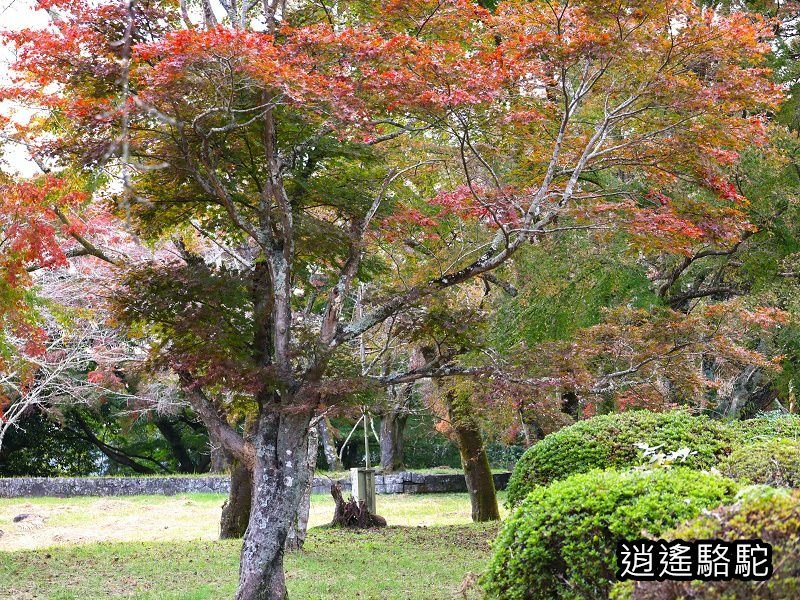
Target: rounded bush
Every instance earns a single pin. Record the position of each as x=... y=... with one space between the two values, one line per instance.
x=771 y=462
x=560 y=541
x=772 y=516
x=768 y=427
x=608 y=441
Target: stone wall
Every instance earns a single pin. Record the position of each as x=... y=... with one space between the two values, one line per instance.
x=17 y=487
x=396 y=483
x=408 y=482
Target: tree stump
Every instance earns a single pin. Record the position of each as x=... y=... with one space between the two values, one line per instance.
x=351 y=514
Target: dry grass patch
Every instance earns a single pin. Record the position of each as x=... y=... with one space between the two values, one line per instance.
x=64 y=521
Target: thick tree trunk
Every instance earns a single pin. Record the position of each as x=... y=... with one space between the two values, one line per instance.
x=279 y=480
x=236 y=510
x=477 y=473
x=297 y=533
x=328 y=445
x=392 y=425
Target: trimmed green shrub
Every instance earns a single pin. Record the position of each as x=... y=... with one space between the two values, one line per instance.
x=768 y=427
x=770 y=462
x=772 y=516
x=560 y=541
x=608 y=441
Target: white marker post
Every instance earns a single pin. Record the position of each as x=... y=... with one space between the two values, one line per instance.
x=363 y=480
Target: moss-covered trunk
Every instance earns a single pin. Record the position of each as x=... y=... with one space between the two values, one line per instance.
x=477 y=473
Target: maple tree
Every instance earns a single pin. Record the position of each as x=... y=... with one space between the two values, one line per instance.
x=680 y=263
x=564 y=287
x=400 y=148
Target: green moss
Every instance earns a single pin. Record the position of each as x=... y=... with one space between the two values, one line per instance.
x=770 y=515
x=608 y=441
x=560 y=541
x=764 y=428
x=770 y=462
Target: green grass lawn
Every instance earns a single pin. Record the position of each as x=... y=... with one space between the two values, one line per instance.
x=146 y=547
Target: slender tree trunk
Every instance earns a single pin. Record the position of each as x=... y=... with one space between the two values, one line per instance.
x=531 y=430
x=475 y=462
x=297 y=533
x=570 y=404
x=393 y=423
x=236 y=510
x=328 y=446
x=279 y=479
x=173 y=437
